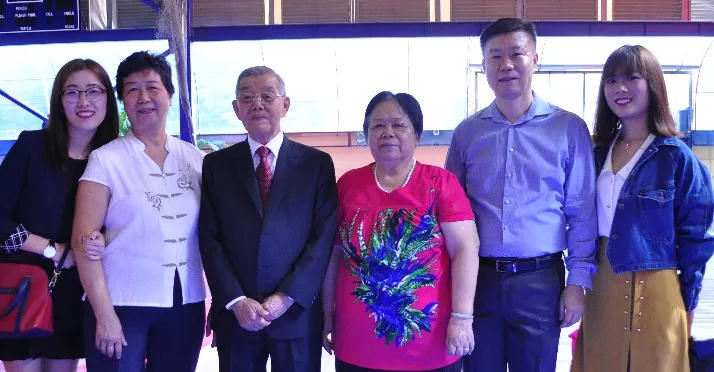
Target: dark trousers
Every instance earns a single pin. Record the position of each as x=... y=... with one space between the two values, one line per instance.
x=341 y=366
x=240 y=351
x=159 y=339
x=516 y=320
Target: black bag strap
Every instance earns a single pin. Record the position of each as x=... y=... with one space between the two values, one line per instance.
x=20 y=293
x=58 y=268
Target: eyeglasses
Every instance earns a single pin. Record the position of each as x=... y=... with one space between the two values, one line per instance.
x=94 y=94
x=266 y=97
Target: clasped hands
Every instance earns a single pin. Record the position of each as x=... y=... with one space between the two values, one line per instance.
x=254 y=316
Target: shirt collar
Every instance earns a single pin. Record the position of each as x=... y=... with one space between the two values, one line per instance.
x=273 y=145
x=137 y=144
x=538 y=107
x=665 y=141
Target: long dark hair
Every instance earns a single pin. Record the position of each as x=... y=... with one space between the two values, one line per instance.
x=627 y=60
x=57 y=143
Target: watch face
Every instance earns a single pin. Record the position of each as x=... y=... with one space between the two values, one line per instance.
x=50 y=251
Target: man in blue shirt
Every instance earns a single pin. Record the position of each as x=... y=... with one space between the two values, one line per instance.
x=527 y=168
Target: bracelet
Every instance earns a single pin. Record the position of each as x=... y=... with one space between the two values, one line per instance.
x=462 y=315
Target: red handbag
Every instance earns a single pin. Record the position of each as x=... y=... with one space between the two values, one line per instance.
x=26 y=300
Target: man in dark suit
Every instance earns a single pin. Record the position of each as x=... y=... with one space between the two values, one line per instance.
x=266 y=231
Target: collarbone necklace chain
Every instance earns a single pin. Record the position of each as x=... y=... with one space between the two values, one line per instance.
x=409 y=175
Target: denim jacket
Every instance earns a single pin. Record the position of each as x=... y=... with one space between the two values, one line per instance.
x=664 y=215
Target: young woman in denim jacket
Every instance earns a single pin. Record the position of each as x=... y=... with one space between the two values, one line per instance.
x=655 y=210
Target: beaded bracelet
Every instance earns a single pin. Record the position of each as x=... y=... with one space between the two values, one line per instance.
x=462 y=315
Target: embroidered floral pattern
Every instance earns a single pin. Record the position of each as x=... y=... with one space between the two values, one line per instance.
x=154 y=199
x=388 y=270
x=184 y=182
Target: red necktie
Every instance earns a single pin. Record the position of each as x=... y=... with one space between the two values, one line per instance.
x=265 y=175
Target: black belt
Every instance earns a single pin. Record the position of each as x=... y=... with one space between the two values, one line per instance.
x=521 y=265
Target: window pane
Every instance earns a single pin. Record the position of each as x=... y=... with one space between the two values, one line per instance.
x=541 y=85
x=216 y=66
x=15 y=120
x=704 y=111
x=566 y=91
x=589 y=115
x=29 y=75
x=366 y=67
x=678 y=93
x=484 y=94
x=438 y=79
x=592 y=86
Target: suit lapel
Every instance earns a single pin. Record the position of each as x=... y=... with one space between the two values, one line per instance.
x=244 y=172
x=287 y=160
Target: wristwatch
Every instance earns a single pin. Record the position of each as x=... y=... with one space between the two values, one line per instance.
x=50 y=251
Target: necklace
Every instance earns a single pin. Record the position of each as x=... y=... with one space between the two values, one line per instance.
x=627 y=144
x=409 y=175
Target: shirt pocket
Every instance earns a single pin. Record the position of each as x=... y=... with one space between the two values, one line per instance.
x=657 y=214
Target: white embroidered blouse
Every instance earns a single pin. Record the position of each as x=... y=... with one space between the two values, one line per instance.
x=152 y=221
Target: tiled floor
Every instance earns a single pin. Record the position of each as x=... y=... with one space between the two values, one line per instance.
x=703 y=328
x=209 y=358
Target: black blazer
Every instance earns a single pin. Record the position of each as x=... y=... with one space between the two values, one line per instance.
x=36 y=195
x=249 y=250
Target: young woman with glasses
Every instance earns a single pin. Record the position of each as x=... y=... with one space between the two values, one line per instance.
x=39 y=182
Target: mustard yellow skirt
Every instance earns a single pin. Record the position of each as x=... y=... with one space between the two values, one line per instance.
x=636 y=318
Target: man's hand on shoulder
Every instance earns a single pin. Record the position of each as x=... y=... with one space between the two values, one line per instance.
x=250 y=314
x=276 y=305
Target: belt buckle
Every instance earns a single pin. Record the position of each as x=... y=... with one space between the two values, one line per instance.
x=505 y=262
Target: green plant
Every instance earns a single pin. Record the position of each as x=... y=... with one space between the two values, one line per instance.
x=210 y=145
x=124 y=124
x=202 y=143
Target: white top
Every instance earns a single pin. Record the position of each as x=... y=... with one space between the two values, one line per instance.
x=152 y=221
x=274 y=146
x=609 y=186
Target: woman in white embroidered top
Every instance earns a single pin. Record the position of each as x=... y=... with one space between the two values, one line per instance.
x=147 y=293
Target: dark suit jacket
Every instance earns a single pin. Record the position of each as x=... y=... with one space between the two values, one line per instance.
x=36 y=195
x=249 y=250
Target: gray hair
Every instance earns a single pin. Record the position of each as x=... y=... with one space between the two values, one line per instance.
x=261 y=71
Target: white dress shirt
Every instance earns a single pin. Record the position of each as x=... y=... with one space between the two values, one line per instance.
x=274 y=147
x=151 y=221
x=610 y=184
